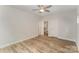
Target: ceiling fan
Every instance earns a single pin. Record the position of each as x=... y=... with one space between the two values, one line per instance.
x=43 y=8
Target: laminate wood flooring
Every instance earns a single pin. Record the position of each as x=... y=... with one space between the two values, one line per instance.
x=41 y=44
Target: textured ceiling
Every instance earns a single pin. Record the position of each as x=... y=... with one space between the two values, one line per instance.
x=53 y=9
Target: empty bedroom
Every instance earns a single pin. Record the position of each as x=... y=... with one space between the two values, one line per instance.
x=38 y=29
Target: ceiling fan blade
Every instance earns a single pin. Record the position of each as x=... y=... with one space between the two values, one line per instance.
x=40 y=5
x=47 y=10
x=35 y=9
x=49 y=6
x=40 y=12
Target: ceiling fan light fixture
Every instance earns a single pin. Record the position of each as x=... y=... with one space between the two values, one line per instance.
x=42 y=10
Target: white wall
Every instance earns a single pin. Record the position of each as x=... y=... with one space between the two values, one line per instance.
x=68 y=26
x=78 y=32
x=78 y=36
x=16 y=25
x=63 y=24
x=41 y=27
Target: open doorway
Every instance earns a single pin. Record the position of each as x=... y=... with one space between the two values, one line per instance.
x=45 y=28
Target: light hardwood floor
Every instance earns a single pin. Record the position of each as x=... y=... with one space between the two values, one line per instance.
x=42 y=44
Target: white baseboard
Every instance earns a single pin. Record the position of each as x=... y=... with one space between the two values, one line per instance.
x=8 y=44
x=62 y=38
x=78 y=46
x=67 y=39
